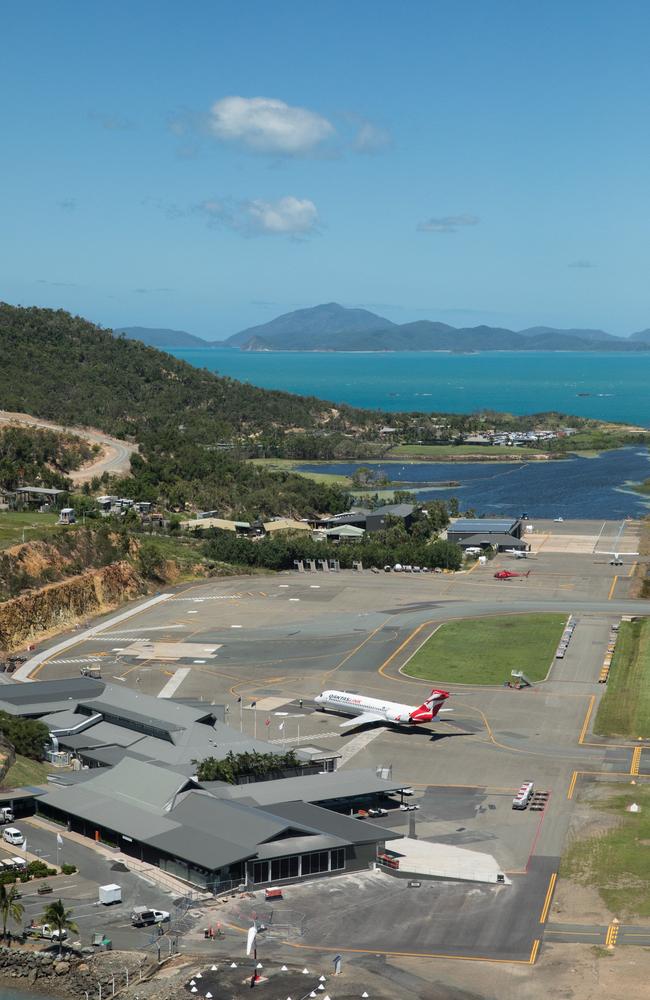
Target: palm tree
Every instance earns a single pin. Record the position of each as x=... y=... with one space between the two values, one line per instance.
x=60 y=919
x=10 y=908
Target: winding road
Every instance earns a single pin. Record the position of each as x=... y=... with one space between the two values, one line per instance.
x=115 y=456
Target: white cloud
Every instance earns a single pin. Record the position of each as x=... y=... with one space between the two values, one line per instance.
x=371 y=138
x=447 y=223
x=268 y=125
x=288 y=216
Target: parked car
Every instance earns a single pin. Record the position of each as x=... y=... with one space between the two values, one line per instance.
x=12 y=835
x=144 y=916
x=46 y=931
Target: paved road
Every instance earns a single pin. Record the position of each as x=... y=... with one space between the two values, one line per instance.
x=115 y=457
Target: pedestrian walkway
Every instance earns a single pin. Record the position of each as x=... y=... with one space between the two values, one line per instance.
x=162 y=879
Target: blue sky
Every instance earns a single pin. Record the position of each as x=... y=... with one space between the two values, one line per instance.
x=207 y=166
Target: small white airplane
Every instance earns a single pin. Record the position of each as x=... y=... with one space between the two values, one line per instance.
x=367 y=710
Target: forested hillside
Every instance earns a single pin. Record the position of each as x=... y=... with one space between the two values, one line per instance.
x=191 y=424
x=39 y=457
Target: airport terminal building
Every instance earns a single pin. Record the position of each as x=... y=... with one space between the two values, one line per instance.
x=142 y=796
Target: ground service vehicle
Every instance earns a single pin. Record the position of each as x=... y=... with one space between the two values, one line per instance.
x=523 y=796
x=6 y=815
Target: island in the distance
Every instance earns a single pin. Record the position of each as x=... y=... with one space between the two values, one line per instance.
x=332 y=327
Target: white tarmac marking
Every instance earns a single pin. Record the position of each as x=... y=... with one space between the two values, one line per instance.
x=200 y=661
x=87 y=659
x=174 y=682
x=357 y=743
x=236 y=626
x=147 y=628
x=294 y=598
x=23 y=673
x=210 y=597
x=307 y=739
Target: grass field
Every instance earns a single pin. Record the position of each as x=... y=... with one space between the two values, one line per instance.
x=26 y=772
x=625 y=707
x=485 y=650
x=290 y=465
x=484 y=452
x=13 y=522
x=616 y=863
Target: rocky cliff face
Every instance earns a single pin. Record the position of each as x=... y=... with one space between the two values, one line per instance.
x=59 y=605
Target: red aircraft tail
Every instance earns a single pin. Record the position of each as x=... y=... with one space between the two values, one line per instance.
x=431 y=706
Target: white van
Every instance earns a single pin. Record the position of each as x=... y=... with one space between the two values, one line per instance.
x=13 y=836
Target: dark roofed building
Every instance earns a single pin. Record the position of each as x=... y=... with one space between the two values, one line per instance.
x=377 y=520
x=173 y=822
x=464 y=527
x=497 y=541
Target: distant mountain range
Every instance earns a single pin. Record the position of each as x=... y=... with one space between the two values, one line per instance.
x=331 y=327
x=160 y=338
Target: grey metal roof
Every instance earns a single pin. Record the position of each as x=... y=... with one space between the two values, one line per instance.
x=307 y=788
x=231 y=821
x=352 y=831
x=299 y=845
x=51 y=692
x=494 y=538
x=394 y=509
x=191 y=845
x=39 y=490
x=86 y=802
x=480 y=525
x=101 y=734
x=138 y=783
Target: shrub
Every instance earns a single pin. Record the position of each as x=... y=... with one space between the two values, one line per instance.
x=68 y=869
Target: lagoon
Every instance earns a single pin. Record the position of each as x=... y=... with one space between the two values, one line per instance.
x=573 y=488
x=607 y=386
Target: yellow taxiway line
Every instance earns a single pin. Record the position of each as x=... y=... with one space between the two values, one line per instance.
x=587 y=720
x=547 y=900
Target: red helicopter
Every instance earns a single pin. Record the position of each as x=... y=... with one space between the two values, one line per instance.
x=507 y=574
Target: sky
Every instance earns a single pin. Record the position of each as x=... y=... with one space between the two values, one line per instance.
x=208 y=166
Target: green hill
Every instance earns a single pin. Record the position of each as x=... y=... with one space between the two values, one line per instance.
x=191 y=424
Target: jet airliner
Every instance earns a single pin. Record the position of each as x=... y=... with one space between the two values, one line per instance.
x=365 y=710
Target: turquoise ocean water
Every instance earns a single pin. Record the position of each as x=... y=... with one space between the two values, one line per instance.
x=607 y=386
x=610 y=386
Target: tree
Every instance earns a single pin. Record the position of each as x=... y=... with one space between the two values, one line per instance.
x=60 y=919
x=10 y=908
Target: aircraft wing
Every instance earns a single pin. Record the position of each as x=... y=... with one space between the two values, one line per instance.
x=361 y=720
